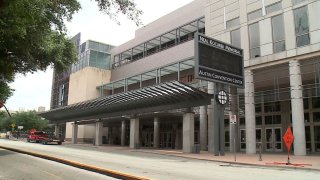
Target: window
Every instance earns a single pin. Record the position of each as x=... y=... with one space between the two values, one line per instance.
x=254 y=40
x=301 y=22
x=278 y=34
x=272 y=107
x=258 y=120
x=316 y=117
x=273 y=7
x=275 y=119
x=316 y=102
x=254 y=15
x=233 y=22
x=294 y=2
x=235 y=38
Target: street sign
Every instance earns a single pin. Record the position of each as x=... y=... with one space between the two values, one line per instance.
x=222 y=97
x=233 y=119
x=217 y=61
x=288 y=138
x=20 y=127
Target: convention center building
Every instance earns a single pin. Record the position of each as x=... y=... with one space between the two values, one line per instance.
x=145 y=93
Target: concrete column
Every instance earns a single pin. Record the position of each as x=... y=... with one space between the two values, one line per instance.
x=210 y=119
x=297 y=108
x=98 y=136
x=156 y=132
x=250 y=113
x=123 y=133
x=188 y=132
x=57 y=131
x=134 y=133
x=233 y=127
x=203 y=128
x=74 y=133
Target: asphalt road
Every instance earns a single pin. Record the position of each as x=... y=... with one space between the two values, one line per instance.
x=15 y=166
x=156 y=166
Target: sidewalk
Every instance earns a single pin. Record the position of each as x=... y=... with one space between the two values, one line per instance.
x=276 y=160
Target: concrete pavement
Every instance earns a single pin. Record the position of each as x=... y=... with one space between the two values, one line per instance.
x=166 y=164
x=310 y=162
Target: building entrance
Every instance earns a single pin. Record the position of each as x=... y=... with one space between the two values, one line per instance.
x=166 y=139
x=147 y=139
x=273 y=139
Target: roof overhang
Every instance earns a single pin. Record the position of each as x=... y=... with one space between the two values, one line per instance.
x=160 y=97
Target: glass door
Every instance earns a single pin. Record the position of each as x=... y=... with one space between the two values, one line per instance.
x=273 y=139
x=242 y=139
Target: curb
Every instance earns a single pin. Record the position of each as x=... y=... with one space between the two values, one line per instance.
x=239 y=163
x=108 y=172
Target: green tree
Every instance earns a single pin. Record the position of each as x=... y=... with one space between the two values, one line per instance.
x=29 y=120
x=33 y=34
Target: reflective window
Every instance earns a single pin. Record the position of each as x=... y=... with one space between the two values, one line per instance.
x=236 y=38
x=254 y=15
x=258 y=120
x=254 y=40
x=273 y=7
x=233 y=22
x=316 y=102
x=316 y=117
x=278 y=34
x=294 y=2
x=301 y=22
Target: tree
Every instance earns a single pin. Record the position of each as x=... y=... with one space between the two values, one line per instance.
x=29 y=120
x=33 y=34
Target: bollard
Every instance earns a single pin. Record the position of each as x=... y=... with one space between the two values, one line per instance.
x=260 y=151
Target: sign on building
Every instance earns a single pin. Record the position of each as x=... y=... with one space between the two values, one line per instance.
x=217 y=61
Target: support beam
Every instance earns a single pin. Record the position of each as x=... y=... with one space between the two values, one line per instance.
x=123 y=133
x=233 y=138
x=98 y=135
x=203 y=128
x=134 y=133
x=188 y=132
x=250 y=113
x=156 y=133
x=57 y=131
x=297 y=108
x=74 y=133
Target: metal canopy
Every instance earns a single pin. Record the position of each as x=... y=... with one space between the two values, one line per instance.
x=161 y=97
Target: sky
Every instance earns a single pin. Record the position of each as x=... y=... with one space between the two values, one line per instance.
x=34 y=90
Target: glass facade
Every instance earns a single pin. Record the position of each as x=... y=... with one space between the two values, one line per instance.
x=254 y=40
x=301 y=22
x=294 y=2
x=254 y=15
x=236 y=38
x=93 y=54
x=273 y=7
x=278 y=34
x=233 y=22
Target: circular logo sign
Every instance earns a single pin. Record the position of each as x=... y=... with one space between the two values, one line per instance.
x=222 y=97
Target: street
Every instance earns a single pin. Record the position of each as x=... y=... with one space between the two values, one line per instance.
x=153 y=166
x=15 y=166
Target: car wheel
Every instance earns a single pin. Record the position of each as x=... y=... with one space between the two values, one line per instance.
x=28 y=140
x=59 y=143
x=37 y=141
